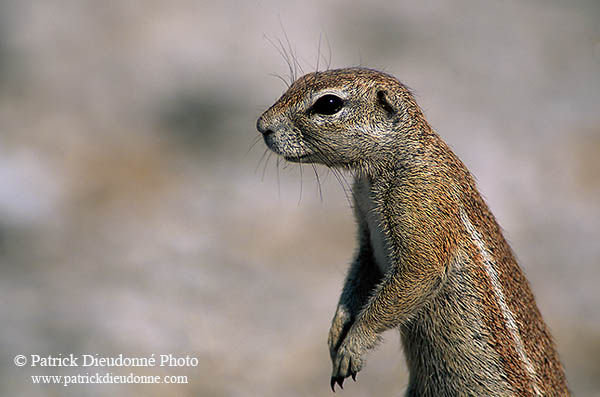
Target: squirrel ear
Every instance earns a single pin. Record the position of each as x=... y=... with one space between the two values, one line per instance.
x=383 y=101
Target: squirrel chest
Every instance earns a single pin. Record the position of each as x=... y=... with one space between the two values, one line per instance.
x=367 y=214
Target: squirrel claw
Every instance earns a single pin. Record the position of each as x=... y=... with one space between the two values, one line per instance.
x=339 y=380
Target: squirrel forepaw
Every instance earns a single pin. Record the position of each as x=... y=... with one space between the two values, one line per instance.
x=347 y=362
x=342 y=321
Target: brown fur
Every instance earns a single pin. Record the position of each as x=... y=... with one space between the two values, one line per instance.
x=431 y=259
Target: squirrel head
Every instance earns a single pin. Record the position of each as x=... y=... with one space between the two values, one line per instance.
x=351 y=118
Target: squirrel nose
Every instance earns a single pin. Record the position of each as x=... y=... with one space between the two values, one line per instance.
x=262 y=126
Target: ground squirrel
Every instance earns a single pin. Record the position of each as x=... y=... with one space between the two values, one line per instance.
x=431 y=259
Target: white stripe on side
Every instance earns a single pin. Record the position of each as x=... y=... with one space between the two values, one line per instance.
x=509 y=318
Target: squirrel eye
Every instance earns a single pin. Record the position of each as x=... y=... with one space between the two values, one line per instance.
x=327 y=105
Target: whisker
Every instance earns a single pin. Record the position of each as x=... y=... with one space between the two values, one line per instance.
x=301 y=182
x=290 y=61
x=281 y=50
x=318 y=182
x=291 y=52
x=256 y=140
x=261 y=159
x=319 y=52
x=278 y=184
x=316 y=143
x=280 y=78
x=329 y=50
x=345 y=185
x=265 y=167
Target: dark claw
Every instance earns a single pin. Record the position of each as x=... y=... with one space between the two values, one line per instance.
x=339 y=380
x=354 y=376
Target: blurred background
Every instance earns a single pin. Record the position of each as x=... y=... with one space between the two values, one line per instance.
x=137 y=217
